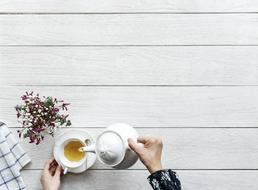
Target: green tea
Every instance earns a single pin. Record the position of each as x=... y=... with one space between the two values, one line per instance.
x=72 y=153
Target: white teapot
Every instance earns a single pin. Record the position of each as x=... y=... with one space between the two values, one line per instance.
x=111 y=147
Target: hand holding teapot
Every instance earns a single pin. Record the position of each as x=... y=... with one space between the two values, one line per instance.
x=150 y=153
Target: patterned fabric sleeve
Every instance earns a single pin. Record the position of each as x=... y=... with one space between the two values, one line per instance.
x=164 y=180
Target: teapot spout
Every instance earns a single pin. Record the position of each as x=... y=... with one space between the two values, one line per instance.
x=90 y=148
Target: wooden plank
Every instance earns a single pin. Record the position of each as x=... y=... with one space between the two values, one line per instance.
x=128 y=180
x=183 y=148
x=141 y=106
x=78 y=6
x=184 y=65
x=129 y=29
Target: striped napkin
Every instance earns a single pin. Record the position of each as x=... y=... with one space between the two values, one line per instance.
x=12 y=159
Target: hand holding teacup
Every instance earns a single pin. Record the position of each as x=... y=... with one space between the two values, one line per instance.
x=50 y=178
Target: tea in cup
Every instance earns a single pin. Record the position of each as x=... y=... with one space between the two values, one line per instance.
x=71 y=151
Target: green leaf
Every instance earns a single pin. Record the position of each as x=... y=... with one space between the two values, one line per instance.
x=68 y=123
x=48 y=102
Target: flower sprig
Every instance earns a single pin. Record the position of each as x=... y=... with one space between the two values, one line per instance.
x=40 y=115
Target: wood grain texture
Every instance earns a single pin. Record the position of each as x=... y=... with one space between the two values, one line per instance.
x=183 y=65
x=128 y=180
x=183 y=148
x=129 y=29
x=88 y=6
x=99 y=106
x=113 y=59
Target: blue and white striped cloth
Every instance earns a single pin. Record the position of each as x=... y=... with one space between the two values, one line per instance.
x=12 y=159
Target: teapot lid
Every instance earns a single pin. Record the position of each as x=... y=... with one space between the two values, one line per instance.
x=110 y=148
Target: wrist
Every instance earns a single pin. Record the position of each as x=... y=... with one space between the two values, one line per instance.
x=156 y=167
x=50 y=188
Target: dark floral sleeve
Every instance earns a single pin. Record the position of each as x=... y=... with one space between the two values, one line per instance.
x=164 y=180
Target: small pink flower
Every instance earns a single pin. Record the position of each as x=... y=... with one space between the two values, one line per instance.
x=38 y=114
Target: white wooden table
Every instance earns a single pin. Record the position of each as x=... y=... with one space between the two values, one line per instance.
x=183 y=70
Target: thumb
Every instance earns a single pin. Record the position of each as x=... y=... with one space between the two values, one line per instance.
x=134 y=146
x=58 y=172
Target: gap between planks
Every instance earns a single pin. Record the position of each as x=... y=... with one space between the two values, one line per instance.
x=119 y=13
x=129 y=85
x=177 y=170
x=136 y=45
x=162 y=127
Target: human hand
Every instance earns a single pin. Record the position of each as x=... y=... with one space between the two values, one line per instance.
x=50 y=177
x=150 y=153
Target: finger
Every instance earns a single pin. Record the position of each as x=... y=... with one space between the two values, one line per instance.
x=58 y=172
x=53 y=164
x=50 y=160
x=62 y=172
x=143 y=139
x=134 y=146
x=47 y=164
x=53 y=169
